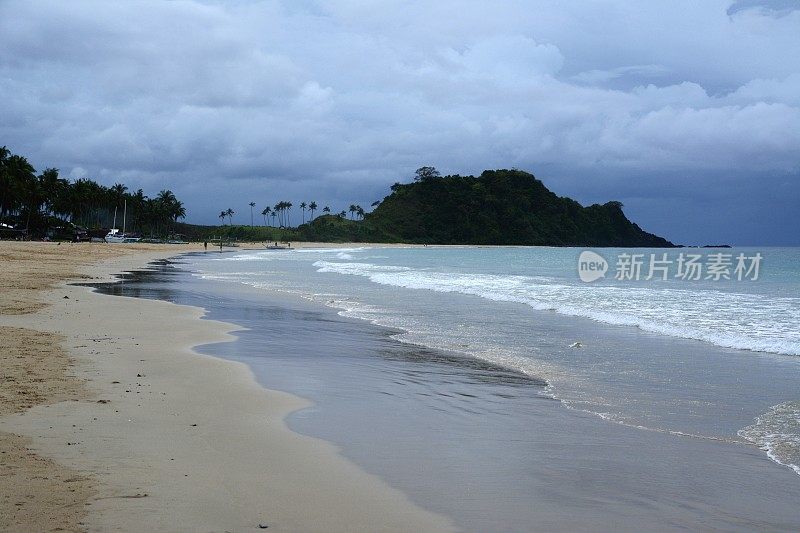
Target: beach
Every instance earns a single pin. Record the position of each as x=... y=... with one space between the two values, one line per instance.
x=112 y=423
x=376 y=388
x=398 y=385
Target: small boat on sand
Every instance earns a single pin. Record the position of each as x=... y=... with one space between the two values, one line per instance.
x=277 y=246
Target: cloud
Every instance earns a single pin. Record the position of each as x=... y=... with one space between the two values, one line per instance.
x=597 y=77
x=231 y=102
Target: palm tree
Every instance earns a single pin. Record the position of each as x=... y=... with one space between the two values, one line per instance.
x=303 y=207
x=222 y=215
x=24 y=194
x=313 y=207
x=52 y=188
x=274 y=214
x=353 y=209
x=278 y=208
x=5 y=180
x=326 y=209
x=117 y=192
x=343 y=214
x=288 y=212
x=230 y=212
x=252 y=205
x=360 y=212
x=136 y=203
x=265 y=214
x=166 y=208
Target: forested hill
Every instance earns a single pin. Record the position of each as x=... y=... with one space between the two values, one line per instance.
x=499 y=207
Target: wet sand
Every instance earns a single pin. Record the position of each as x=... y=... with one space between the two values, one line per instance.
x=118 y=425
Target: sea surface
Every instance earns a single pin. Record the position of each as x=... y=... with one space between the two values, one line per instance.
x=524 y=308
x=494 y=386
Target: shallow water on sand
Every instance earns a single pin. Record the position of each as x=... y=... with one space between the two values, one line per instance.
x=476 y=440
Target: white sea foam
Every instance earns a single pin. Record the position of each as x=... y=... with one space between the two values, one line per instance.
x=290 y=253
x=777 y=432
x=706 y=315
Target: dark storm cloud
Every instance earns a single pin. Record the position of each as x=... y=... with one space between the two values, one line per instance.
x=670 y=107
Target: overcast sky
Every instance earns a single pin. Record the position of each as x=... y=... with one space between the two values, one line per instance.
x=686 y=111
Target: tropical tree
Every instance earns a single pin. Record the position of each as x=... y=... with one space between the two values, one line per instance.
x=303 y=206
x=170 y=206
x=360 y=212
x=222 y=215
x=117 y=193
x=136 y=206
x=426 y=174
x=353 y=209
x=5 y=181
x=265 y=214
x=53 y=190
x=24 y=194
x=343 y=214
x=230 y=212
x=252 y=205
x=274 y=214
x=312 y=207
x=326 y=209
x=35 y=199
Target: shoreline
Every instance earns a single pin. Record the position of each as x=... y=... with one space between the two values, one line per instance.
x=360 y=377
x=157 y=437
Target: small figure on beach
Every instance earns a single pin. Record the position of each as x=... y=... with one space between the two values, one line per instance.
x=205 y=245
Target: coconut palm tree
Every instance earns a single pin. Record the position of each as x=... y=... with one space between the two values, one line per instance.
x=274 y=214
x=53 y=190
x=20 y=190
x=252 y=205
x=353 y=209
x=136 y=204
x=326 y=209
x=303 y=207
x=5 y=180
x=312 y=207
x=117 y=192
x=265 y=214
x=222 y=215
x=360 y=212
x=229 y=213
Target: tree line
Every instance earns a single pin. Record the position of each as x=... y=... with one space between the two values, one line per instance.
x=37 y=202
x=281 y=213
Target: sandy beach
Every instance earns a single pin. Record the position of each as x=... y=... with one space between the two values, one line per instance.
x=110 y=422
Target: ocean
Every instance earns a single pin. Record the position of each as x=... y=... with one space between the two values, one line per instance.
x=494 y=386
x=710 y=358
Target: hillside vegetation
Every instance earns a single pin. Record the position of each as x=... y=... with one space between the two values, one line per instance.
x=507 y=207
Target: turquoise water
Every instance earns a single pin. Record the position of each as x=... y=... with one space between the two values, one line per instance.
x=709 y=359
